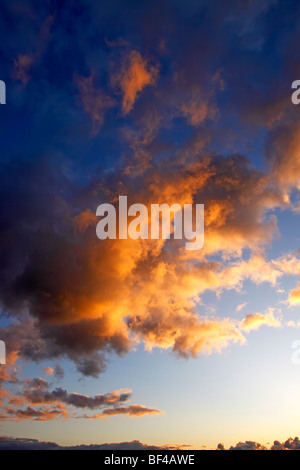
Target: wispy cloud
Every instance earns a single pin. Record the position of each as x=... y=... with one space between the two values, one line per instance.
x=135 y=74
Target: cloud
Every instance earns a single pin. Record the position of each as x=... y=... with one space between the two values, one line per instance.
x=14 y=443
x=187 y=335
x=48 y=370
x=35 y=414
x=294 y=296
x=34 y=400
x=241 y=306
x=248 y=445
x=253 y=321
x=167 y=124
x=72 y=295
x=135 y=411
x=37 y=383
x=11 y=443
x=58 y=372
x=283 y=154
x=198 y=106
x=69 y=295
x=289 y=444
x=135 y=74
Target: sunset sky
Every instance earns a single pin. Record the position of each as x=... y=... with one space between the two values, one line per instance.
x=173 y=101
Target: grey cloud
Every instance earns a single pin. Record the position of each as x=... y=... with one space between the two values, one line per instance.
x=40 y=394
x=289 y=444
x=10 y=443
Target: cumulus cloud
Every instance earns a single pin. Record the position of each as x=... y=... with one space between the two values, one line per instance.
x=79 y=297
x=289 y=444
x=248 y=445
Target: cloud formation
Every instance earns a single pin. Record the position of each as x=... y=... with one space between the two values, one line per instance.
x=118 y=106
x=10 y=443
x=34 y=400
x=134 y=75
x=77 y=296
x=132 y=410
x=289 y=444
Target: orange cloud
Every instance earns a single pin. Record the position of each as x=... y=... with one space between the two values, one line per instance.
x=253 y=321
x=135 y=411
x=33 y=414
x=294 y=296
x=83 y=220
x=48 y=370
x=134 y=76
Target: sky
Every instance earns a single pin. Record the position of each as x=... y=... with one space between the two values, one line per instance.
x=143 y=342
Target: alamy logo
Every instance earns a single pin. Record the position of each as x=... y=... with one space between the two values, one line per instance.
x=2 y=92
x=180 y=224
x=2 y=353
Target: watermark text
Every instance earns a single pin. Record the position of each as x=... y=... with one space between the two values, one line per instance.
x=162 y=221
